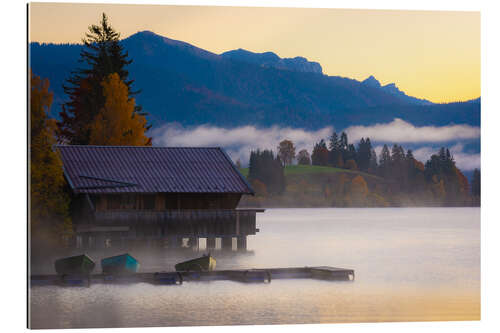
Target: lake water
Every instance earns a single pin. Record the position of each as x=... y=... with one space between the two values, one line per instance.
x=411 y=264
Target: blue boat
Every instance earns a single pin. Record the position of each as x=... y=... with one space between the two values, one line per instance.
x=120 y=264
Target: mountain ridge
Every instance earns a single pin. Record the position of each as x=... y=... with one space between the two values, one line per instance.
x=271 y=59
x=182 y=83
x=391 y=88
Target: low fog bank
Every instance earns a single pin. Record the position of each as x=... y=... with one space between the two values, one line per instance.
x=294 y=201
x=240 y=141
x=151 y=259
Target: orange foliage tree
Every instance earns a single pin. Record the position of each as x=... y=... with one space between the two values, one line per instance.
x=462 y=181
x=49 y=203
x=259 y=187
x=117 y=124
x=358 y=190
x=351 y=165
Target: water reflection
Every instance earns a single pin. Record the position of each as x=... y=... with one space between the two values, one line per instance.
x=411 y=265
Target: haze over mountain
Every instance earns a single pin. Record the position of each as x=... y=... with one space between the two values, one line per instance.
x=182 y=83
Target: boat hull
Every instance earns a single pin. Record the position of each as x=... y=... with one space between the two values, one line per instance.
x=120 y=264
x=205 y=263
x=76 y=265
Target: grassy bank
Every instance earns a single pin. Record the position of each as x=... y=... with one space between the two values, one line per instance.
x=320 y=186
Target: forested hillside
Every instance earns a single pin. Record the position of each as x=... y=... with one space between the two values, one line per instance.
x=340 y=174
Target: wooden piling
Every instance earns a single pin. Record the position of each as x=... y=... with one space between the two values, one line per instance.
x=227 y=243
x=241 y=243
x=211 y=243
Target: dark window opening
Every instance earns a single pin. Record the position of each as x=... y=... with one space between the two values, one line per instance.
x=149 y=201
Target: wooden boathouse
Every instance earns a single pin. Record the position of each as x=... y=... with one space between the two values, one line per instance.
x=156 y=196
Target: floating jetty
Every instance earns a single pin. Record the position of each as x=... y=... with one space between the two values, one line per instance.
x=260 y=275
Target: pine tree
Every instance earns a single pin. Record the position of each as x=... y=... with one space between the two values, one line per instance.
x=343 y=141
x=364 y=154
x=373 y=161
x=334 y=143
x=350 y=153
x=267 y=169
x=102 y=55
x=385 y=162
x=409 y=155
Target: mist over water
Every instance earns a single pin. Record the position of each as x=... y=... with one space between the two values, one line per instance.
x=411 y=264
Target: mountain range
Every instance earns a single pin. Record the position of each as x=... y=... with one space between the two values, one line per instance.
x=181 y=83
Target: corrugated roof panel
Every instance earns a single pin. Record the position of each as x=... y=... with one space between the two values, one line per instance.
x=119 y=169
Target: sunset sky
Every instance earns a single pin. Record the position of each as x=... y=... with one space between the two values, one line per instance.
x=428 y=54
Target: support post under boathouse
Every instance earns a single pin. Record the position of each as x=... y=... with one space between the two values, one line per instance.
x=156 y=196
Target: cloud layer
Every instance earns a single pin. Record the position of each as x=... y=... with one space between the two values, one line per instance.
x=464 y=161
x=238 y=141
x=401 y=131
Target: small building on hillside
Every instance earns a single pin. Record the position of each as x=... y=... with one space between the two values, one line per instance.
x=125 y=196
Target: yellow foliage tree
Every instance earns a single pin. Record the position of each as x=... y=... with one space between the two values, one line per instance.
x=351 y=165
x=438 y=189
x=259 y=187
x=377 y=200
x=49 y=203
x=358 y=190
x=117 y=124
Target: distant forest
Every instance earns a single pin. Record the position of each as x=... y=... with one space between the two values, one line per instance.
x=353 y=176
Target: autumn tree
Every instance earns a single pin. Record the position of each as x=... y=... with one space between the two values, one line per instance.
x=49 y=203
x=259 y=188
x=320 y=154
x=358 y=191
x=117 y=124
x=286 y=152
x=101 y=56
x=441 y=169
x=351 y=165
x=303 y=157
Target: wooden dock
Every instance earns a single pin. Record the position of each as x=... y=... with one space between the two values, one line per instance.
x=261 y=275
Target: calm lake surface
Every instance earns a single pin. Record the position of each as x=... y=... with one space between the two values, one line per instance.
x=411 y=264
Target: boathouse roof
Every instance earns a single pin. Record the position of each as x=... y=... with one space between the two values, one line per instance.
x=126 y=169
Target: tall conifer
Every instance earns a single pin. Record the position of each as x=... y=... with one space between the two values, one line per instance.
x=102 y=55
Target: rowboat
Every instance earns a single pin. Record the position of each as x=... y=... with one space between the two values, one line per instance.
x=120 y=264
x=76 y=265
x=204 y=263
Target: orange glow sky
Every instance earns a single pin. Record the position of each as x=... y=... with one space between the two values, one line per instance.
x=428 y=54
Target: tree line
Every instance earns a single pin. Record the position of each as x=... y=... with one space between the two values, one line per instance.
x=438 y=180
